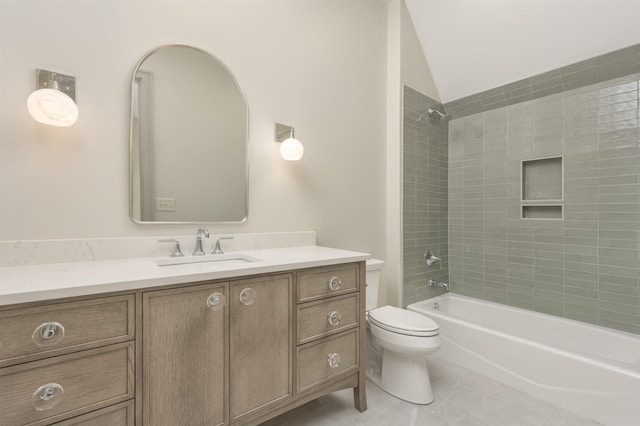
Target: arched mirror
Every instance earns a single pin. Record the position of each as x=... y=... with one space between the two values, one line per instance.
x=188 y=140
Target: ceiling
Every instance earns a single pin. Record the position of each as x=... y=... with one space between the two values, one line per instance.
x=476 y=45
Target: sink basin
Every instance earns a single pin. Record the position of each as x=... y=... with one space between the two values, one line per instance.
x=214 y=260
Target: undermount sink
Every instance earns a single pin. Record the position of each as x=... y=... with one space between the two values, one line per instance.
x=214 y=260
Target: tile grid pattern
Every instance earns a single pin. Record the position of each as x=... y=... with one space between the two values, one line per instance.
x=585 y=266
x=591 y=71
x=424 y=213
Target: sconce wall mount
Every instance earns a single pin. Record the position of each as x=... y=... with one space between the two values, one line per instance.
x=291 y=148
x=54 y=100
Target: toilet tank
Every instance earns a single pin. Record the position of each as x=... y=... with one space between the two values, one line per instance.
x=374 y=268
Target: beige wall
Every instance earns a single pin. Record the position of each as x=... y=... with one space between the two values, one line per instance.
x=415 y=69
x=318 y=65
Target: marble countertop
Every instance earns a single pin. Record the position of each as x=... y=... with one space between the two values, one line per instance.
x=19 y=284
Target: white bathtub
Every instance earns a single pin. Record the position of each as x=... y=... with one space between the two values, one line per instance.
x=590 y=370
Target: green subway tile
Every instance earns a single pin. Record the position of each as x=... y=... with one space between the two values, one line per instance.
x=549 y=307
x=581 y=274
x=513 y=100
x=580 y=295
x=631 y=328
x=545 y=77
x=607 y=89
x=586 y=65
x=578 y=314
x=619 y=271
x=579 y=79
x=616 y=69
x=619 y=303
x=618 y=106
x=627 y=52
x=631 y=95
x=547 y=91
x=619 y=317
x=516 y=85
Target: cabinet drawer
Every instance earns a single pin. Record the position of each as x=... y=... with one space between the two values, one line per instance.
x=116 y=415
x=320 y=282
x=322 y=318
x=317 y=361
x=33 y=333
x=42 y=392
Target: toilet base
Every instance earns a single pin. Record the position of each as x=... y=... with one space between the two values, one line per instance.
x=406 y=377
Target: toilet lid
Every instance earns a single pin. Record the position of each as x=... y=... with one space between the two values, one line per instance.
x=403 y=321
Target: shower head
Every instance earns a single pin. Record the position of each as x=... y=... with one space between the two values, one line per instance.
x=434 y=114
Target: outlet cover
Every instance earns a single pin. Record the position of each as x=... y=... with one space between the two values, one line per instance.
x=165 y=204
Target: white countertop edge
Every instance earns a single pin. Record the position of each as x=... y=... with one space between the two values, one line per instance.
x=23 y=284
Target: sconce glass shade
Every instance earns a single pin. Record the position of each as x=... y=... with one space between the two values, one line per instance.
x=291 y=149
x=54 y=101
x=53 y=107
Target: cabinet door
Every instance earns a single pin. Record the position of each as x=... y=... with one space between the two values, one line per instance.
x=184 y=354
x=260 y=344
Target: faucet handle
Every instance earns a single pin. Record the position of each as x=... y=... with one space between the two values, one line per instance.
x=430 y=258
x=218 y=249
x=176 y=249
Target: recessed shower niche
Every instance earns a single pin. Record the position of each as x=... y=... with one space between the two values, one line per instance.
x=542 y=188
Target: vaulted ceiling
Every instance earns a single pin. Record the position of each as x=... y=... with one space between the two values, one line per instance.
x=476 y=45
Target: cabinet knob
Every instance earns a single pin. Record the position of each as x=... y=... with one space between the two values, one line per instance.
x=47 y=396
x=48 y=333
x=334 y=283
x=248 y=296
x=333 y=359
x=334 y=318
x=216 y=301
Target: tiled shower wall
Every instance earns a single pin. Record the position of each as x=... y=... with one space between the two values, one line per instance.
x=425 y=162
x=585 y=265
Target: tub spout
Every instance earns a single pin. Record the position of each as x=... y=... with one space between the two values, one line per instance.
x=438 y=284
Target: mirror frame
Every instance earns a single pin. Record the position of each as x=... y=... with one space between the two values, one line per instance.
x=131 y=156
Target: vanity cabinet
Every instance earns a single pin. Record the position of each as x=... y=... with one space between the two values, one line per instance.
x=62 y=360
x=232 y=351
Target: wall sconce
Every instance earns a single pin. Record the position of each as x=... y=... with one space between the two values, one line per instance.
x=291 y=148
x=53 y=101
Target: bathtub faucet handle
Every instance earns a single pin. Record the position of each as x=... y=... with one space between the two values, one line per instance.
x=430 y=258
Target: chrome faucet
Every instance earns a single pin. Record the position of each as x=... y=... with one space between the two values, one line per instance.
x=438 y=284
x=198 y=250
x=430 y=258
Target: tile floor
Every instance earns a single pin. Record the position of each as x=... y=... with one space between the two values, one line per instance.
x=463 y=398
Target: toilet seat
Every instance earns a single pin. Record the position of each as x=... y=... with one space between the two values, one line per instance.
x=401 y=321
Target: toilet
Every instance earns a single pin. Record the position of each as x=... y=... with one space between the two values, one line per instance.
x=398 y=342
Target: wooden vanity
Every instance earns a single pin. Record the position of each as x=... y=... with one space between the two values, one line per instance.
x=229 y=351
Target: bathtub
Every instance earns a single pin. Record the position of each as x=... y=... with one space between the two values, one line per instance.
x=590 y=370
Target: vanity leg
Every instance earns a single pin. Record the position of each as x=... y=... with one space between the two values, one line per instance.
x=360 y=392
x=360 y=397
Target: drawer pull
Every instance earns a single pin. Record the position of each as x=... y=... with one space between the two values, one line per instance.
x=47 y=396
x=48 y=333
x=248 y=296
x=334 y=283
x=333 y=360
x=216 y=301
x=334 y=318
